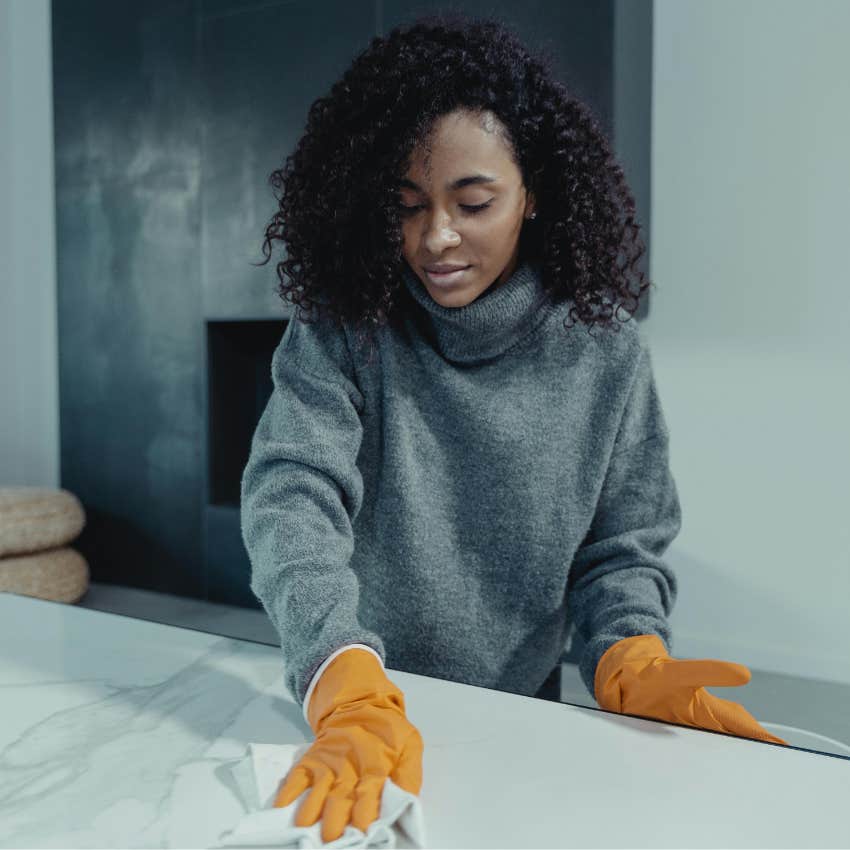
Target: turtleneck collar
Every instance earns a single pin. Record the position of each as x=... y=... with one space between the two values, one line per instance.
x=489 y=325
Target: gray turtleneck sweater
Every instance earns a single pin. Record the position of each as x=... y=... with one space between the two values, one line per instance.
x=489 y=480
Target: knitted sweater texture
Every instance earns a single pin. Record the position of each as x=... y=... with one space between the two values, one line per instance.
x=491 y=480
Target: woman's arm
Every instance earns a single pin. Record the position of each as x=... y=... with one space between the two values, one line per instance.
x=619 y=585
x=300 y=493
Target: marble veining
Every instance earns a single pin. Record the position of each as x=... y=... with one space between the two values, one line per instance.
x=118 y=732
x=110 y=761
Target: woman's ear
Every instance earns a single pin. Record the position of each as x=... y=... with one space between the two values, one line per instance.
x=530 y=205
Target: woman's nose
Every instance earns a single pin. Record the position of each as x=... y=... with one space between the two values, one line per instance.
x=440 y=232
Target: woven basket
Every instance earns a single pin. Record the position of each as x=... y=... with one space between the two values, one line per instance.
x=60 y=575
x=33 y=519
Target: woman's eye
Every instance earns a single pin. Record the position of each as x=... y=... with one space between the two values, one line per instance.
x=474 y=208
x=470 y=208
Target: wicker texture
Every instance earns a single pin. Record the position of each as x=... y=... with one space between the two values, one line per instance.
x=36 y=524
x=60 y=575
x=36 y=518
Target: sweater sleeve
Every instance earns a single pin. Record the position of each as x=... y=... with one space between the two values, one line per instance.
x=300 y=493
x=619 y=584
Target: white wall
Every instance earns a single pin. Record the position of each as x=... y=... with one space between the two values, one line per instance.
x=29 y=393
x=749 y=325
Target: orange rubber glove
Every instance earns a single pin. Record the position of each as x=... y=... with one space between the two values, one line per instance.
x=362 y=737
x=637 y=676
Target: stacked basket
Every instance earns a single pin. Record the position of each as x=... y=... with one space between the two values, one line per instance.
x=36 y=526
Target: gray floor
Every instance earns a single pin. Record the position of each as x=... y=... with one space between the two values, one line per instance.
x=820 y=707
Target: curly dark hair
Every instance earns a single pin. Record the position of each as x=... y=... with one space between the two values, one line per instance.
x=339 y=213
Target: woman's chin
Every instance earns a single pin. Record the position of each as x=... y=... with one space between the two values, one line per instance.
x=456 y=298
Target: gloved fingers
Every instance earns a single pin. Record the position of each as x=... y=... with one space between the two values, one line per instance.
x=407 y=774
x=724 y=715
x=294 y=784
x=337 y=810
x=367 y=801
x=311 y=809
x=696 y=673
x=772 y=739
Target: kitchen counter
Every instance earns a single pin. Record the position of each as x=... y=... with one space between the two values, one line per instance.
x=119 y=732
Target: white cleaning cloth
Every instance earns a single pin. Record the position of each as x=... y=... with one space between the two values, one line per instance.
x=399 y=824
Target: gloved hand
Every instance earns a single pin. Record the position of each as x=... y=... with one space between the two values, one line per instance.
x=362 y=737
x=637 y=676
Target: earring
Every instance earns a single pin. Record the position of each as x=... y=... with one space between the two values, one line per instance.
x=534 y=214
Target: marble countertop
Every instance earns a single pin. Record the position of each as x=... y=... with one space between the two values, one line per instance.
x=118 y=732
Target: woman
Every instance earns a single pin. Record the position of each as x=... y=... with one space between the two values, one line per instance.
x=450 y=501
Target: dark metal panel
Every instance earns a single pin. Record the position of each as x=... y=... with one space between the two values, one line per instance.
x=633 y=113
x=239 y=386
x=228 y=563
x=262 y=68
x=240 y=383
x=127 y=161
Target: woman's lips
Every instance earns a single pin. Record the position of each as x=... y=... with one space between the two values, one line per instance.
x=446 y=278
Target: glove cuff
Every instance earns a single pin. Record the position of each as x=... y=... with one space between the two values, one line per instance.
x=354 y=675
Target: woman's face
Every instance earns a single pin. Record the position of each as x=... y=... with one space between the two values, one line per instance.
x=440 y=225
